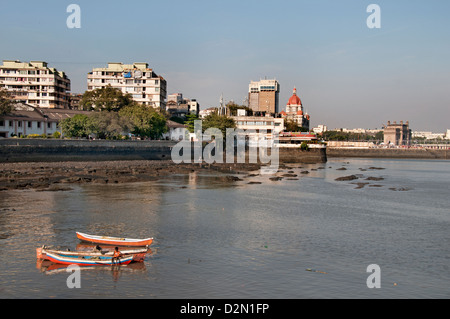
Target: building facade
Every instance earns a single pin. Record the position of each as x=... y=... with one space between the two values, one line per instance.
x=259 y=127
x=27 y=120
x=35 y=83
x=397 y=134
x=263 y=96
x=137 y=79
x=294 y=111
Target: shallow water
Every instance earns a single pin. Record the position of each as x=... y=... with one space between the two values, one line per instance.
x=235 y=240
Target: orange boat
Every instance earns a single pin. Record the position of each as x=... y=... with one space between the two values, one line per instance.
x=138 y=253
x=117 y=241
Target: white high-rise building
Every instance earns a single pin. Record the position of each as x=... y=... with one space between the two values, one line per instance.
x=36 y=84
x=144 y=85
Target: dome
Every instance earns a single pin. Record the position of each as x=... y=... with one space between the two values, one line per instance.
x=294 y=99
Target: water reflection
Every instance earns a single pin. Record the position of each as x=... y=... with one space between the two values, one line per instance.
x=222 y=239
x=50 y=268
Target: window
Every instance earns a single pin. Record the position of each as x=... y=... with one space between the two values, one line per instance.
x=11 y=123
x=19 y=123
x=49 y=125
x=38 y=124
x=2 y=123
x=30 y=124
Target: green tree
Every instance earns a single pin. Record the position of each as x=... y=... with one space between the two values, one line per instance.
x=145 y=121
x=79 y=125
x=190 y=121
x=6 y=102
x=233 y=107
x=105 y=99
x=109 y=125
x=222 y=122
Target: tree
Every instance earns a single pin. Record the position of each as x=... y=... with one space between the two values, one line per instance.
x=145 y=121
x=109 y=125
x=222 y=122
x=190 y=121
x=6 y=102
x=79 y=125
x=233 y=107
x=105 y=99
x=291 y=126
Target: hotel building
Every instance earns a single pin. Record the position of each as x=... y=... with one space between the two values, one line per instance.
x=36 y=84
x=294 y=111
x=263 y=96
x=137 y=79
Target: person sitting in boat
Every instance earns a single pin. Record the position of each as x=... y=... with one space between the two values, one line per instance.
x=117 y=255
x=98 y=249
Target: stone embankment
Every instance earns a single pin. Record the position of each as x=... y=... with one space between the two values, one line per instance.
x=413 y=153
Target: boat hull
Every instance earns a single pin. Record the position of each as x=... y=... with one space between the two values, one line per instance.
x=105 y=240
x=80 y=261
x=138 y=254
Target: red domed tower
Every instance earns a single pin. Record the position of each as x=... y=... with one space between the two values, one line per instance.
x=294 y=100
x=294 y=111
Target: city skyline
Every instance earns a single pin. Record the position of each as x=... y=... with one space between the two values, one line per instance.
x=346 y=74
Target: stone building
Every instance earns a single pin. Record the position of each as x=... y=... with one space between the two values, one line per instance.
x=398 y=134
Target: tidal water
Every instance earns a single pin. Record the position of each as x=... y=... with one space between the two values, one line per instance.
x=306 y=237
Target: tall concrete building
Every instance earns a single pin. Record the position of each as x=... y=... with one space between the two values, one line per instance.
x=263 y=96
x=144 y=85
x=35 y=83
x=397 y=134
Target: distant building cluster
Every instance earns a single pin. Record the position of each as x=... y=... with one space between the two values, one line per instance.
x=180 y=107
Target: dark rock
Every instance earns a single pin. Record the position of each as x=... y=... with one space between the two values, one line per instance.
x=370 y=178
x=346 y=178
x=277 y=178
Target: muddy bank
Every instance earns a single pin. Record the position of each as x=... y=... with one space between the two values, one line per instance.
x=58 y=176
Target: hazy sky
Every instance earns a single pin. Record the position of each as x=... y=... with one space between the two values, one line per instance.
x=346 y=74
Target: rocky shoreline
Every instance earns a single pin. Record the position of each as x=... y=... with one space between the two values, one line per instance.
x=59 y=176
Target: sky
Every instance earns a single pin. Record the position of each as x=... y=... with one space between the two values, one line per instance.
x=347 y=74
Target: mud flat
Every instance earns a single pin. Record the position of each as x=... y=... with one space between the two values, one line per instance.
x=58 y=176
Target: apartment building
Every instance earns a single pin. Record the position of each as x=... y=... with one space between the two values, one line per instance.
x=263 y=96
x=35 y=83
x=259 y=127
x=137 y=79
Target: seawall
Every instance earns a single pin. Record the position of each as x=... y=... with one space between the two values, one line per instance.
x=54 y=150
x=389 y=153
